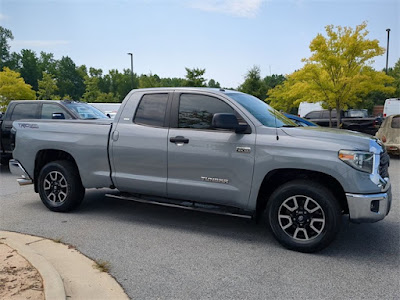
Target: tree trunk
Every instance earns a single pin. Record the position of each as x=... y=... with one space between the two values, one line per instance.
x=338 y=116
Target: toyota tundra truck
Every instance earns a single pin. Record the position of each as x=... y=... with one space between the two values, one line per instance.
x=211 y=150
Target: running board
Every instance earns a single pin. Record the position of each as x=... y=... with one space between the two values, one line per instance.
x=189 y=205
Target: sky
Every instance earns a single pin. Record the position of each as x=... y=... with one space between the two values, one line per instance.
x=227 y=38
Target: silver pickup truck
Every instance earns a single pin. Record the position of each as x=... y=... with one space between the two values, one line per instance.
x=211 y=150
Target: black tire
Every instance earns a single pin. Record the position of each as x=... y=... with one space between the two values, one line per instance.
x=310 y=227
x=4 y=159
x=60 y=186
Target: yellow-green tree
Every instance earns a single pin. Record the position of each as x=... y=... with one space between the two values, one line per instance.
x=13 y=87
x=338 y=72
x=47 y=87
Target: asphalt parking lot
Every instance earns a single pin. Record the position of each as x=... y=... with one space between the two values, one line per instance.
x=166 y=253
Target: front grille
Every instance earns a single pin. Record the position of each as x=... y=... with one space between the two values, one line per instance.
x=384 y=165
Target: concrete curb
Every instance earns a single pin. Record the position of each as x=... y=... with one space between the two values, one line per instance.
x=52 y=282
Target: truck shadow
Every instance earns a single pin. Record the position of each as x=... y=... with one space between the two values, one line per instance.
x=365 y=242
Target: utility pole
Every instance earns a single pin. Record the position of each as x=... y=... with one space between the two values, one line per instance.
x=131 y=54
x=387 y=50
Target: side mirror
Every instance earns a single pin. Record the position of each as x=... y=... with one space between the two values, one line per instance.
x=58 y=116
x=228 y=121
x=108 y=115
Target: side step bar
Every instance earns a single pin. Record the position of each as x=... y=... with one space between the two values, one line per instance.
x=189 y=205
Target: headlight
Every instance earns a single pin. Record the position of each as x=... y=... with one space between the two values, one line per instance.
x=360 y=160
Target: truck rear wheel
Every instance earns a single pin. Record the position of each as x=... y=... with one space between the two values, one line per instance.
x=303 y=216
x=60 y=186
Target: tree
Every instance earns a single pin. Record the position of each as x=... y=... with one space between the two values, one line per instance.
x=70 y=79
x=47 y=87
x=149 y=81
x=194 y=77
x=395 y=73
x=93 y=93
x=30 y=68
x=213 y=84
x=337 y=73
x=5 y=35
x=13 y=87
x=253 y=84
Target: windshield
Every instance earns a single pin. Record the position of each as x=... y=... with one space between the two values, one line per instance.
x=85 y=111
x=262 y=111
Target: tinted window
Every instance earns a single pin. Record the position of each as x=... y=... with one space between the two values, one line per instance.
x=313 y=115
x=49 y=109
x=25 y=111
x=151 y=110
x=396 y=122
x=85 y=111
x=197 y=111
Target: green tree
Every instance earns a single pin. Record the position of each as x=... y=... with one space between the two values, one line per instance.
x=395 y=73
x=13 y=87
x=5 y=35
x=337 y=72
x=47 y=87
x=47 y=63
x=253 y=84
x=194 y=77
x=30 y=68
x=149 y=81
x=70 y=79
x=93 y=93
x=213 y=84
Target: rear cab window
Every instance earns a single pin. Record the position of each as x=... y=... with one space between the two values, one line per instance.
x=151 y=110
x=395 y=122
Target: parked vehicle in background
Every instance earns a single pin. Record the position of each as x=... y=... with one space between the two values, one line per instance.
x=40 y=109
x=110 y=109
x=211 y=150
x=299 y=121
x=389 y=134
x=306 y=107
x=353 y=119
x=391 y=107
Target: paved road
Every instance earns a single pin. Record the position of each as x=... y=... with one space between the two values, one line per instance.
x=165 y=253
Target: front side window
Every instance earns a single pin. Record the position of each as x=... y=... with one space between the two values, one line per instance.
x=151 y=110
x=264 y=113
x=197 y=111
x=25 y=111
x=49 y=109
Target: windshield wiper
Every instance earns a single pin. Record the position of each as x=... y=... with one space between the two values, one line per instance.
x=286 y=125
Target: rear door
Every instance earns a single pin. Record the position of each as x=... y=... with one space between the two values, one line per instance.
x=139 y=145
x=207 y=164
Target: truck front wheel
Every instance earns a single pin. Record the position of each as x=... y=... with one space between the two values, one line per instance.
x=303 y=216
x=60 y=186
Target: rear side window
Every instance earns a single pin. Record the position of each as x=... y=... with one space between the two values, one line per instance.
x=313 y=115
x=396 y=122
x=25 y=111
x=49 y=109
x=197 y=111
x=151 y=110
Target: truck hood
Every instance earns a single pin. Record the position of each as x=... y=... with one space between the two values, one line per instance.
x=344 y=138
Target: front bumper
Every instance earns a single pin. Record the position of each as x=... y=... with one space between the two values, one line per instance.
x=18 y=170
x=371 y=207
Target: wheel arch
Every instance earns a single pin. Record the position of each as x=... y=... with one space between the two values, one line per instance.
x=45 y=156
x=278 y=177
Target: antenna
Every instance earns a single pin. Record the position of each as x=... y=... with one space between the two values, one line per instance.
x=276 y=128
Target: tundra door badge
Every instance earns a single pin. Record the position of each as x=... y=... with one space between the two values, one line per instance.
x=243 y=149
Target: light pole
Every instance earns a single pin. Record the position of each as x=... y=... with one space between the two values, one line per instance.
x=131 y=54
x=387 y=50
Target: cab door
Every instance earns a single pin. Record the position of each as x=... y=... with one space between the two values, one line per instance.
x=206 y=164
x=139 y=145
